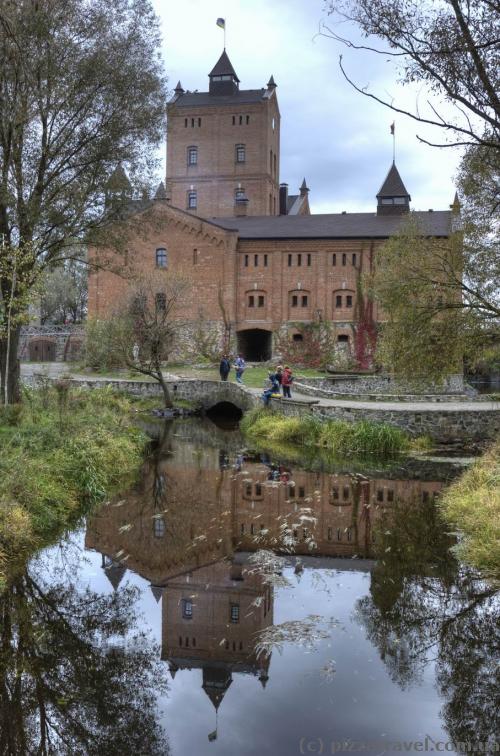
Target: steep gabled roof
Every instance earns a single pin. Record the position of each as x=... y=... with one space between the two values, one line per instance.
x=224 y=67
x=393 y=185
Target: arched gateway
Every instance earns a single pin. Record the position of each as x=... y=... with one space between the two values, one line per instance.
x=255 y=344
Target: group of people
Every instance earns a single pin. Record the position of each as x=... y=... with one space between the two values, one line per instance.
x=225 y=367
x=278 y=380
x=281 y=378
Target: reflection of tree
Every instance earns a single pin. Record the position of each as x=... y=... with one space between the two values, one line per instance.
x=64 y=688
x=424 y=606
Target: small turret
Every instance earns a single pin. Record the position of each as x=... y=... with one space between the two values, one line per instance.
x=223 y=78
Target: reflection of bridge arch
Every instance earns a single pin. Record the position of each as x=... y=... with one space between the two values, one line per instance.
x=255 y=344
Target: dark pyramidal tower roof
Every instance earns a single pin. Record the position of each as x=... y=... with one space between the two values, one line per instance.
x=224 y=67
x=393 y=197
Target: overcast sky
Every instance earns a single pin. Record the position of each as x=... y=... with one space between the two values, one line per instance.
x=338 y=139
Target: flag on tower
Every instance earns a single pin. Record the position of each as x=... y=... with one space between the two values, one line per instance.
x=221 y=22
x=393 y=126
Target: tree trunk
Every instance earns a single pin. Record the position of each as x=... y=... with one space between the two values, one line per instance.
x=13 y=378
x=166 y=393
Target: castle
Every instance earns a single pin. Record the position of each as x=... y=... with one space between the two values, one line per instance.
x=263 y=269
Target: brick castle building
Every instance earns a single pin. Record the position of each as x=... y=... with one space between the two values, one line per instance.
x=263 y=268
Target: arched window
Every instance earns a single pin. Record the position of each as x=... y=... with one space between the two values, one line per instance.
x=343 y=304
x=192 y=155
x=161 y=257
x=299 y=304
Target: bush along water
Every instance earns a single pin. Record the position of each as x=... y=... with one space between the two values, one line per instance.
x=472 y=505
x=62 y=453
x=334 y=436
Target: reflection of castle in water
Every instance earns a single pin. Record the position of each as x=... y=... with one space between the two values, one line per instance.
x=189 y=527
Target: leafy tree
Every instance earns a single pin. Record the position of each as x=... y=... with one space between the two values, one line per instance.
x=81 y=90
x=66 y=689
x=144 y=330
x=64 y=298
x=452 y=47
x=442 y=297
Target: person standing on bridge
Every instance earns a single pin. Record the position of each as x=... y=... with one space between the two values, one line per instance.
x=239 y=366
x=286 y=382
x=224 y=367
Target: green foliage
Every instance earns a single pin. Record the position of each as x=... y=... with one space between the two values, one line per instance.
x=100 y=352
x=317 y=349
x=335 y=436
x=52 y=472
x=472 y=504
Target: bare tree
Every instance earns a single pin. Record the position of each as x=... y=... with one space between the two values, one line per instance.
x=452 y=46
x=82 y=90
x=143 y=332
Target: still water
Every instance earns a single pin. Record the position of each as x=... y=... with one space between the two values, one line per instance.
x=241 y=603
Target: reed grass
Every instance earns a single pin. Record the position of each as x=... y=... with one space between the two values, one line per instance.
x=335 y=436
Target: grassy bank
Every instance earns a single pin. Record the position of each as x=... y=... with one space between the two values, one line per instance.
x=61 y=454
x=472 y=504
x=335 y=436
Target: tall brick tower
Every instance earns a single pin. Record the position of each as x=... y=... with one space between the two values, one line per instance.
x=223 y=147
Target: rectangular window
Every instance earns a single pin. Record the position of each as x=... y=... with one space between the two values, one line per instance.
x=239 y=194
x=274 y=158
x=295 y=300
x=329 y=534
x=349 y=534
x=248 y=489
x=187 y=608
x=348 y=301
x=354 y=259
x=304 y=300
x=252 y=529
x=199 y=121
x=242 y=528
x=380 y=494
x=289 y=261
x=390 y=494
x=251 y=301
x=256 y=260
x=241 y=120
x=261 y=300
x=192 y=123
x=161 y=258
x=248 y=120
x=192 y=155
x=345 y=493
x=195 y=256
x=291 y=492
x=246 y=261
x=240 y=153
x=235 y=613
x=334 y=259
x=258 y=489
x=308 y=260
x=338 y=300
x=335 y=494
x=265 y=261
x=302 y=492
x=185 y=123
x=192 y=200
x=339 y=534
x=234 y=120
x=299 y=260
x=344 y=259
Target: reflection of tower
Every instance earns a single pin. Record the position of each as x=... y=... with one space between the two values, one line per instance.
x=113 y=570
x=211 y=620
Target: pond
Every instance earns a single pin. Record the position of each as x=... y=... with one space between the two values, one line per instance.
x=239 y=603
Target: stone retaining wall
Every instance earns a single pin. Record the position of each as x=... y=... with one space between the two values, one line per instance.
x=442 y=426
x=356 y=385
